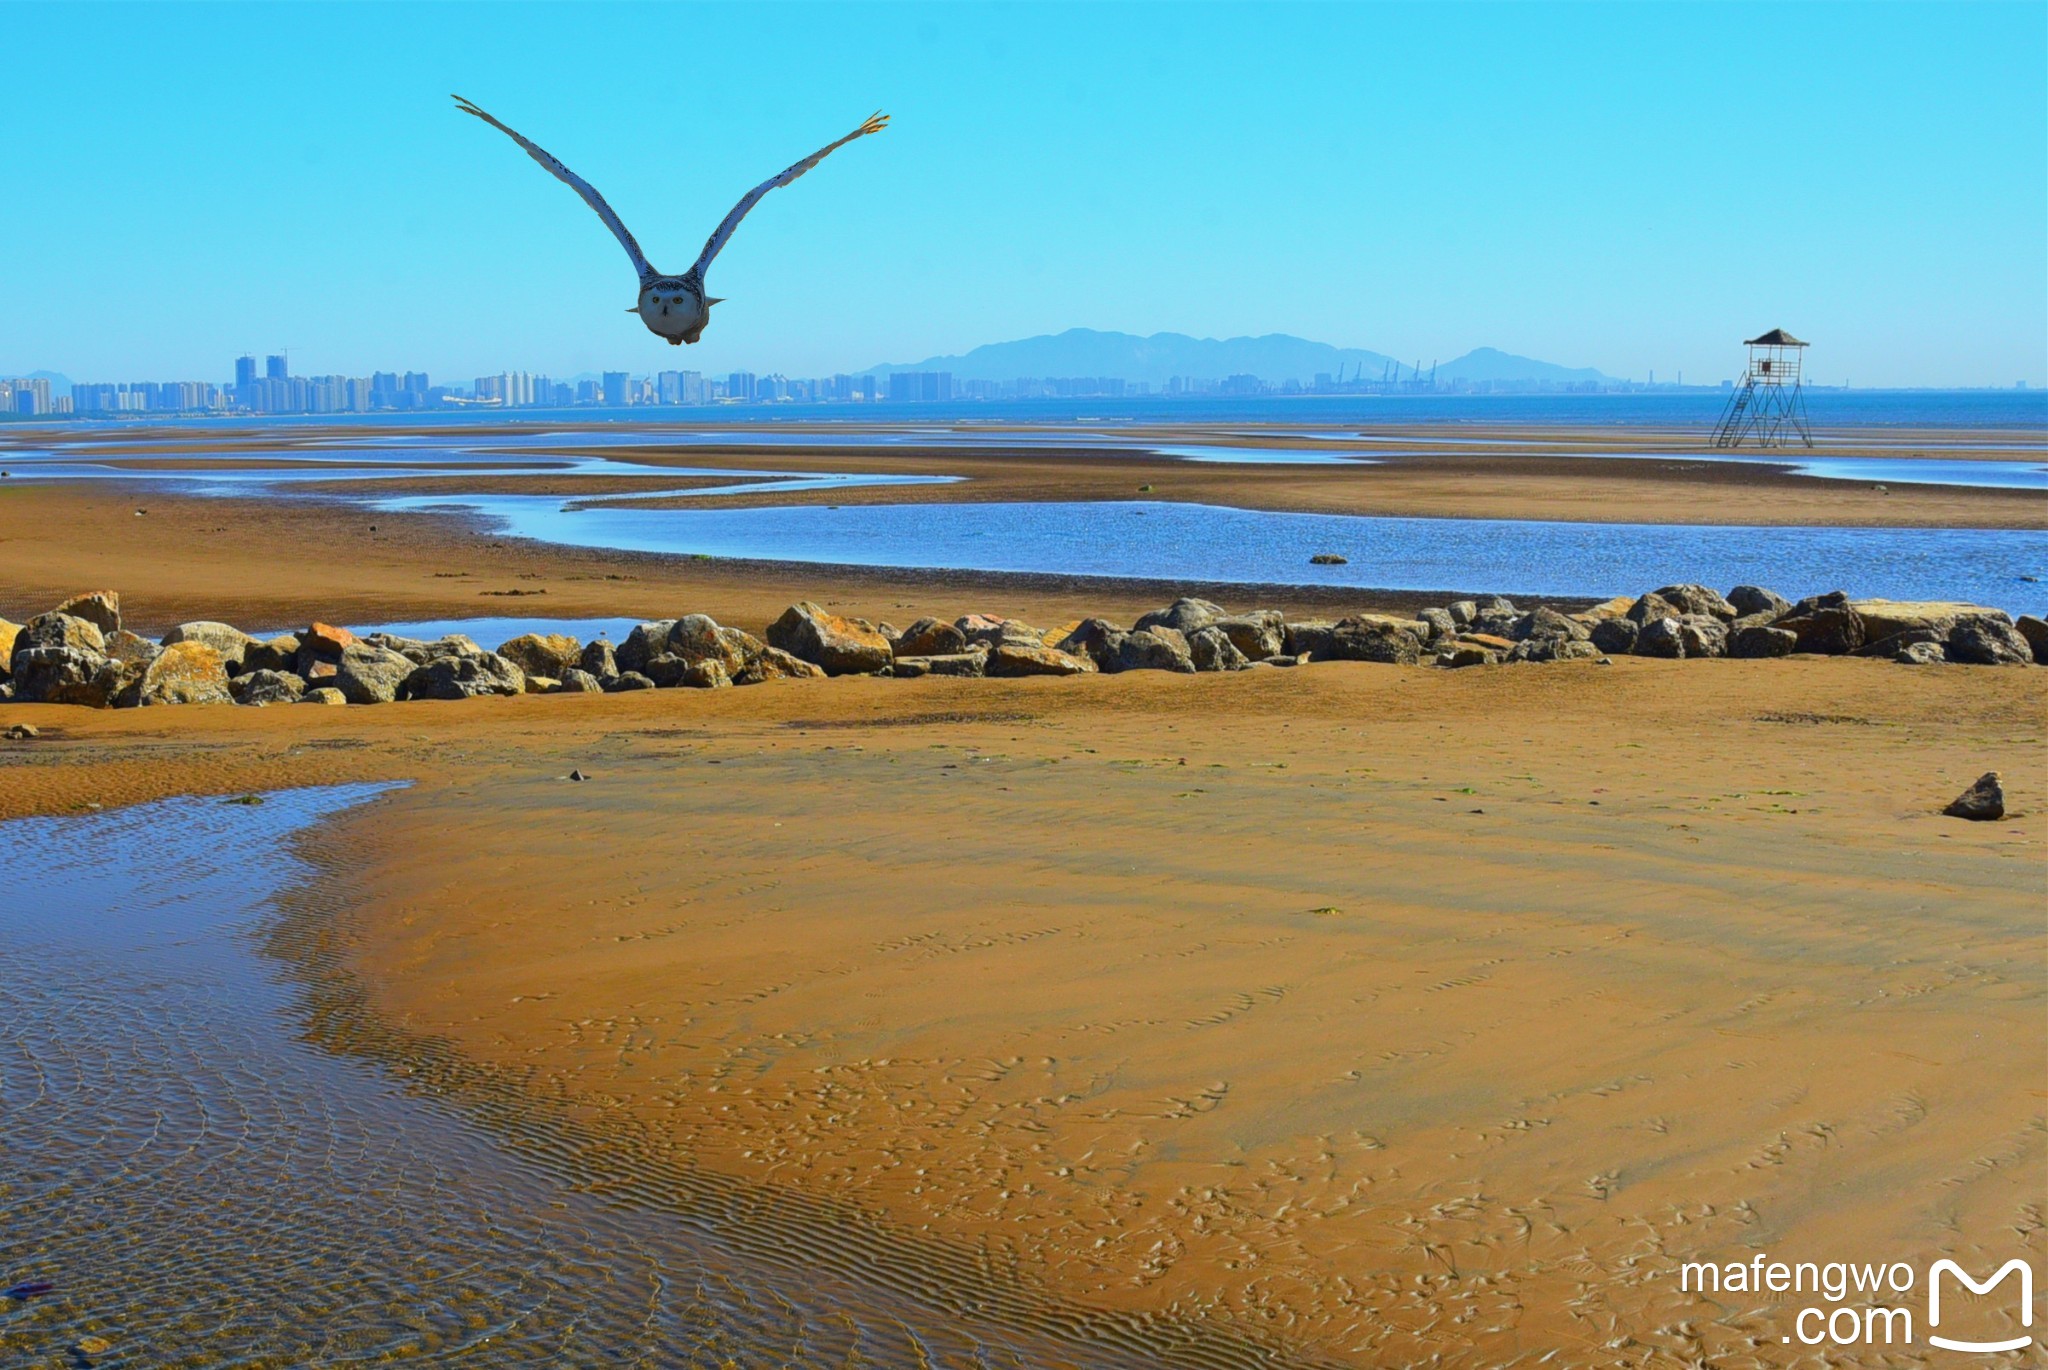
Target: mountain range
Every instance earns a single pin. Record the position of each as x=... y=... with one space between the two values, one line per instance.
x=1272 y=357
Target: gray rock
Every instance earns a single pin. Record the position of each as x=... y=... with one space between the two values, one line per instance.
x=1698 y=599
x=1982 y=640
x=231 y=642
x=132 y=648
x=1309 y=637
x=101 y=608
x=843 y=646
x=1359 y=639
x=647 y=640
x=984 y=630
x=1705 y=635
x=598 y=660
x=1184 y=616
x=1151 y=649
x=1888 y=648
x=1258 y=634
x=1462 y=611
x=1462 y=654
x=1661 y=637
x=1545 y=622
x=1921 y=654
x=1983 y=802
x=1441 y=624
x=699 y=638
x=1553 y=649
x=1010 y=660
x=1617 y=635
x=1649 y=608
x=708 y=674
x=60 y=630
x=577 y=681
x=264 y=686
x=1750 y=600
x=946 y=664
x=324 y=694
x=626 y=681
x=2035 y=631
x=1828 y=629
x=1760 y=640
x=772 y=663
x=1212 y=650
x=277 y=654
x=412 y=648
x=1497 y=604
x=463 y=677
x=67 y=675
x=930 y=637
x=1096 y=639
x=368 y=674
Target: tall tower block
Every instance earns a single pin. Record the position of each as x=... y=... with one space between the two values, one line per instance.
x=1768 y=408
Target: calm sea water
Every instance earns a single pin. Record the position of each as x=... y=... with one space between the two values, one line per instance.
x=1828 y=408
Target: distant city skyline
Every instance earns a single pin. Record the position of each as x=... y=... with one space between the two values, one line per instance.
x=1626 y=188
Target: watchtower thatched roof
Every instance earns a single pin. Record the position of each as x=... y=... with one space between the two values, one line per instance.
x=1777 y=337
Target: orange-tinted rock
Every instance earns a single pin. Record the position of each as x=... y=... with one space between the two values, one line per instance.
x=326 y=639
x=185 y=673
x=101 y=608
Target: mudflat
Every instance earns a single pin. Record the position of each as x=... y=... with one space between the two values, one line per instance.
x=1378 y=1012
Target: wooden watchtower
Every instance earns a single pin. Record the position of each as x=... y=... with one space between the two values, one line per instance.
x=1768 y=407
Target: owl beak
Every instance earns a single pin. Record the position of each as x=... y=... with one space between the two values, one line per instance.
x=710 y=302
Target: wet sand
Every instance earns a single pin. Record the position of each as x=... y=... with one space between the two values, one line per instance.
x=1380 y=1013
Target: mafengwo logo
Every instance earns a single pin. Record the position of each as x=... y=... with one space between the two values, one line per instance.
x=1873 y=1305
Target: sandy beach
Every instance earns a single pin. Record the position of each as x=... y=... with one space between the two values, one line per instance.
x=1378 y=1015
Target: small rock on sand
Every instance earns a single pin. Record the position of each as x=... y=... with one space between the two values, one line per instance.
x=1982 y=802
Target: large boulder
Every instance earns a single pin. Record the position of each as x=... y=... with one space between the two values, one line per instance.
x=599 y=659
x=1661 y=637
x=8 y=633
x=1374 y=639
x=647 y=640
x=264 y=686
x=1094 y=638
x=60 y=630
x=1829 y=629
x=1557 y=648
x=1888 y=648
x=101 y=608
x=1884 y=617
x=326 y=695
x=1546 y=622
x=1761 y=640
x=772 y=663
x=132 y=648
x=277 y=654
x=1151 y=649
x=1262 y=633
x=229 y=641
x=1617 y=607
x=1988 y=639
x=1462 y=611
x=2033 y=629
x=463 y=677
x=1017 y=659
x=1698 y=599
x=1184 y=616
x=1616 y=636
x=577 y=681
x=67 y=675
x=1442 y=627
x=1308 y=637
x=542 y=654
x=1751 y=600
x=699 y=638
x=1705 y=635
x=930 y=637
x=970 y=664
x=1651 y=607
x=1212 y=650
x=327 y=639
x=627 y=681
x=185 y=673
x=842 y=646
x=368 y=674
x=985 y=630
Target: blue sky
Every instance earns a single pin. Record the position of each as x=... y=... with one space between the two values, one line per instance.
x=1627 y=187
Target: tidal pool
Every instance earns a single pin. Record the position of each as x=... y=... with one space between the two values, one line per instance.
x=213 y=1157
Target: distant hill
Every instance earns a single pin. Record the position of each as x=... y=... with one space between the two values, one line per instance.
x=1087 y=352
x=1273 y=358
x=1492 y=364
x=60 y=384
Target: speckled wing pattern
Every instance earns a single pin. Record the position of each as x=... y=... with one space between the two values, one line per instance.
x=582 y=187
x=876 y=122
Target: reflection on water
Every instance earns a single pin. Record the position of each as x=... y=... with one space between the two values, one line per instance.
x=1168 y=541
x=200 y=1184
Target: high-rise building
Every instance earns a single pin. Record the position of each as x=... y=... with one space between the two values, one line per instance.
x=276 y=369
x=740 y=386
x=615 y=390
x=245 y=373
